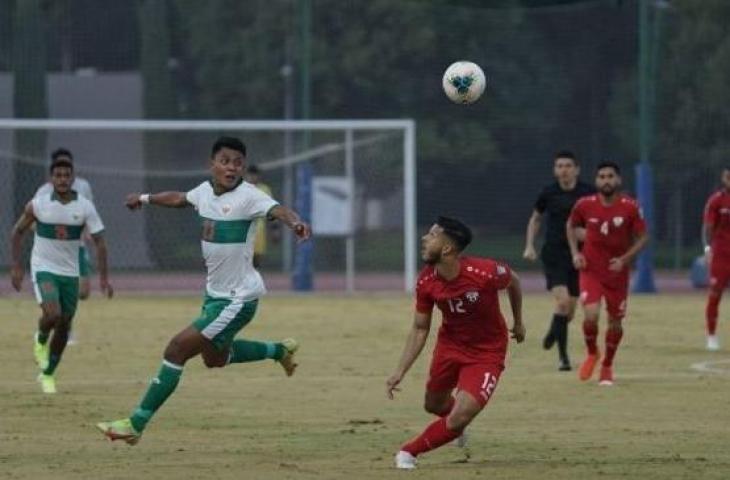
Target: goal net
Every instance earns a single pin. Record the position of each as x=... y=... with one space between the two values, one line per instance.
x=353 y=179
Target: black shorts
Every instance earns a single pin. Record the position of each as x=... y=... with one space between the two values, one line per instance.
x=559 y=271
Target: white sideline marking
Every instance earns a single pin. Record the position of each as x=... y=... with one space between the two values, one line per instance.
x=707 y=367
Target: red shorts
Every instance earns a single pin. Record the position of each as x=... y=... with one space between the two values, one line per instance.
x=592 y=290
x=719 y=272
x=451 y=369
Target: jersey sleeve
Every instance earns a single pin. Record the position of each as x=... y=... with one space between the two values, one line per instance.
x=257 y=204
x=711 y=211
x=193 y=196
x=44 y=189
x=93 y=220
x=638 y=224
x=424 y=300
x=541 y=202
x=577 y=214
x=84 y=189
x=499 y=276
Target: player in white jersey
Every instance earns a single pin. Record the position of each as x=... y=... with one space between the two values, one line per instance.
x=228 y=208
x=83 y=188
x=60 y=218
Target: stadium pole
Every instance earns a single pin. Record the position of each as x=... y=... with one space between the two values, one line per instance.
x=302 y=279
x=643 y=281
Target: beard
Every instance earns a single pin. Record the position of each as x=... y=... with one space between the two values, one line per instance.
x=432 y=258
x=608 y=190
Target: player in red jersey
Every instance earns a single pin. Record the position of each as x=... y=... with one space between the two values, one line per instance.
x=615 y=231
x=472 y=341
x=717 y=251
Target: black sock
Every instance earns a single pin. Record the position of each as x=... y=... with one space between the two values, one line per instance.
x=560 y=323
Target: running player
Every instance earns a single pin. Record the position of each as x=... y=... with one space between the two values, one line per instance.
x=555 y=202
x=615 y=232
x=472 y=341
x=227 y=207
x=717 y=249
x=83 y=188
x=60 y=218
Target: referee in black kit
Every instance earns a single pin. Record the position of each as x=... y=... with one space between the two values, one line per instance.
x=555 y=202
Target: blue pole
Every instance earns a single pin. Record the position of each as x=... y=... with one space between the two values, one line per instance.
x=643 y=281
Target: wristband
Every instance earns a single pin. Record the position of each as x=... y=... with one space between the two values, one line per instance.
x=708 y=249
x=144 y=198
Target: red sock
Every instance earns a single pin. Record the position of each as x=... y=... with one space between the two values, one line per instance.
x=711 y=312
x=613 y=338
x=590 y=332
x=434 y=436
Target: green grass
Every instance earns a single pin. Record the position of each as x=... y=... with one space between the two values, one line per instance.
x=661 y=421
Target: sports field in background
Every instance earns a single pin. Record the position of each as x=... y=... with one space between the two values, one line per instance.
x=663 y=420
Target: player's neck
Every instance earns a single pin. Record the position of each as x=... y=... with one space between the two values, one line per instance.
x=569 y=185
x=608 y=199
x=64 y=197
x=448 y=269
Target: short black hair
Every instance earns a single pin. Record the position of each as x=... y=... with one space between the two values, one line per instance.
x=60 y=161
x=457 y=232
x=609 y=164
x=228 y=142
x=61 y=152
x=566 y=154
x=253 y=170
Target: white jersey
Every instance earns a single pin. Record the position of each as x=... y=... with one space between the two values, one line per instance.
x=80 y=185
x=228 y=233
x=58 y=233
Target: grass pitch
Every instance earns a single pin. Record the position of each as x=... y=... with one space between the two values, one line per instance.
x=331 y=420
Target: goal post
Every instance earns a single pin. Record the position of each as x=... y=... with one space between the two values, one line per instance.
x=371 y=162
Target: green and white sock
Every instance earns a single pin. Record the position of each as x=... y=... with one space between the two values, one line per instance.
x=243 y=351
x=160 y=388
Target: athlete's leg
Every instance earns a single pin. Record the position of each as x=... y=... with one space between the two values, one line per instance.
x=591 y=294
x=84 y=287
x=58 y=343
x=719 y=278
x=439 y=403
x=564 y=308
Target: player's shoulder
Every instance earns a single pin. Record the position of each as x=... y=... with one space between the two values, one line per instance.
x=628 y=201
x=425 y=277
x=716 y=196
x=587 y=200
x=484 y=265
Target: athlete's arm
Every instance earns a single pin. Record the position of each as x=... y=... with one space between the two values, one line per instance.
x=514 y=292
x=579 y=261
x=102 y=265
x=617 y=264
x=291 y=219
x=414 y=344
x=164 y=199
x=24 y=223
x=533 y=226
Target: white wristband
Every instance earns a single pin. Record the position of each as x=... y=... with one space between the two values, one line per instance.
x=708 y=249
x=144 y=198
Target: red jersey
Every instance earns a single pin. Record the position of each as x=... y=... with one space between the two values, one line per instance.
x=472 y=321
x=610 y=231
x=717 y=215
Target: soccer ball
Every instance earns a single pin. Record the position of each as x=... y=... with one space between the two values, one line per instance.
x=464 y=82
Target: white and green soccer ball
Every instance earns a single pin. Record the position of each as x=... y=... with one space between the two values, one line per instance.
x=464 y=82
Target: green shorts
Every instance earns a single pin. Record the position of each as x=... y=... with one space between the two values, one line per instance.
x=84 y=262
x=61 y=289
x=222 y=318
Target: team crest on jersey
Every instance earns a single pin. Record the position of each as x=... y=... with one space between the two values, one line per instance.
x=618 y=221
x=226 y=209
x=472 y=296
x=75 y=216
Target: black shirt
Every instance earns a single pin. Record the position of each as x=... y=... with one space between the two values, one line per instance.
x=558 y=203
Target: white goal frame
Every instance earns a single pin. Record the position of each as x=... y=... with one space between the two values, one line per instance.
x=408 y=126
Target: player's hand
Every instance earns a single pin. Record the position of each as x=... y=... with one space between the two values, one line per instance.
x=302 y=231
x=616 y=264
x=392 y=384
x=106 y=288
x=16 y=277
x=579 y=261
x=580 y=233
x=530 y=253
x=708 y=256
x=133 y=202
x=519 y=332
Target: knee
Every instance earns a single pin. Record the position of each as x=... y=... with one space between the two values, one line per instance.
x=563 y=306
x=174 y=352
x=615 y=326
x=214 y=362
x=434 y=408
